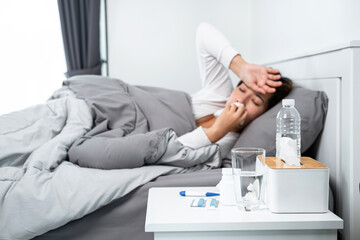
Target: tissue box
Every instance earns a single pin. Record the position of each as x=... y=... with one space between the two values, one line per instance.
x=297 y=189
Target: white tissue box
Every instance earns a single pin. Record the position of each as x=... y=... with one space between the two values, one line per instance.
x=297 y=189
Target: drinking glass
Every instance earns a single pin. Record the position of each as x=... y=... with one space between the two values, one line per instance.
x=248 y=166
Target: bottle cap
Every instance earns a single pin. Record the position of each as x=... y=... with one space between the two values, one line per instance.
x=288 y=102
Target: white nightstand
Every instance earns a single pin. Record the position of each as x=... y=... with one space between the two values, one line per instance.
x=170 y=216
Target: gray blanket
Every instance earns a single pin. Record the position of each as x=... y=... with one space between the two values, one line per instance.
x=40 y=190
x=135 y=126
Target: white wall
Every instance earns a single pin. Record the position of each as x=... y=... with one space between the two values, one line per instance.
x=285 y=28
x=32 y=61
x=153 y=42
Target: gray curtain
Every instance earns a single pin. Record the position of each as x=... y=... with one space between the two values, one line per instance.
x=81 y=36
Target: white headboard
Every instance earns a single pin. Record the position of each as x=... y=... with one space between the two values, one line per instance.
x=337 y=72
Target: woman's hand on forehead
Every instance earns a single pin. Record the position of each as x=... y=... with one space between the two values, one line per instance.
x=260 y=78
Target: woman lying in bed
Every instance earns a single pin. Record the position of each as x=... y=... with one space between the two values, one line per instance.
x=217 y=117
x=260 y=89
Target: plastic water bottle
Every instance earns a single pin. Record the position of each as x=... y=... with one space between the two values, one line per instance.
x=288 y=122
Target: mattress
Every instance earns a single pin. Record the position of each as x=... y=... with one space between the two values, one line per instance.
x=125 y=217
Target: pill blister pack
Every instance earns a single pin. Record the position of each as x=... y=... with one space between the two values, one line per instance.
x=209 y=203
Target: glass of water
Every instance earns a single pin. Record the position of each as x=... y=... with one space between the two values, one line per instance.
x=248 y=166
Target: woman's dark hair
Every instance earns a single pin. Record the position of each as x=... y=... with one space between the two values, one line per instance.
x=280 y=93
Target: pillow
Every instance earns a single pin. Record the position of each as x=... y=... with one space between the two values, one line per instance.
x=312 y=106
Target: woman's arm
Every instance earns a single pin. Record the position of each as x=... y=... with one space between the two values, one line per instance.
x=229 y=121
x=216 y=56
x=214 y=53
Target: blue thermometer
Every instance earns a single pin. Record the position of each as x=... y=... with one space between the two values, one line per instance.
x=198 y=194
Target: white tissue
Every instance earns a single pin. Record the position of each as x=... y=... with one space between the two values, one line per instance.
x=288 y=151
x=218 y=113
x=254 y=191
x=250 y=197
x=238 y=104
x=254 y=188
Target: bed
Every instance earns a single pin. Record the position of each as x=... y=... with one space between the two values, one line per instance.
x=45 y=182
x=332 y=71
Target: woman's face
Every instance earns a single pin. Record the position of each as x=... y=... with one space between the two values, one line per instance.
x=255 y=103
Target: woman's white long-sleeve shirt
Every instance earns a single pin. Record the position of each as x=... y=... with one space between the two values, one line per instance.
x=215 y=54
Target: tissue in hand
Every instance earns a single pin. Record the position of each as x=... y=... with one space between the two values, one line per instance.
x=288 y=151
x=238 y=104
x=218 y=113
